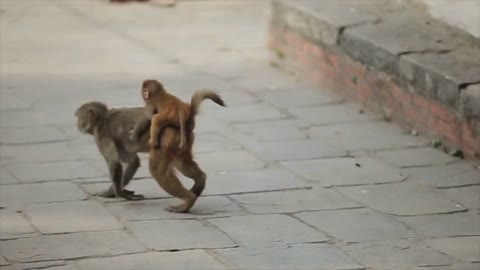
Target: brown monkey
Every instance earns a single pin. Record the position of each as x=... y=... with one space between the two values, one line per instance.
x=163 y=161
x=110 y=128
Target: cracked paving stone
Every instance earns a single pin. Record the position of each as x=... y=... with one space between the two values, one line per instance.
x=265 y=230
x=415 y=157
x=455 y=224
x=14 y=225
x=403 y=199
x=334 y=114
x=63 y=170
x=294 y=201
x=53 y=247
x=23 y=194
x=49 y=265
x=181 y=260
x=298 y=256
x=447 y=176
x=274 y=130
x=178 y=234
x=228 y=160
x=295 y=150
x=3 y=262
x=356 y=225
x=75 y=217
x=290 y=98
x=246 y=113
x=205 y=207
x=403 y=254
x=366 y=136
x=346 y=171
x=467 y=196
x=6 y=177
x=462 y=248
x=23 y=135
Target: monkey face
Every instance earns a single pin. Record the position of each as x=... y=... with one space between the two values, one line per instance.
x=150 y=87
x=88 y=116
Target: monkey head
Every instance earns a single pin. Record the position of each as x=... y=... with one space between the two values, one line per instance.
x=90 y=115
x=151 y=87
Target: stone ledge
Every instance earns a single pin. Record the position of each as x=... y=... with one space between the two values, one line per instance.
x=414 y=69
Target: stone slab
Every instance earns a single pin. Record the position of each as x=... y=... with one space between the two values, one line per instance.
x=456 y=224
x=366 y=136
x=178 y=235
x=295 y=150
x=24 y=135
x=467 y=196
x=267 y=230
x=294 y=201
x=246 y=113
x=447 y=176
x=346 y=171
x=11 y=102
x=299 y=256
x=205 y=207
x=63 y=170
x=37 y=153
x=228 y=160
x=23 y=194
x=403 y=254
x=49 y=265
x=356 y=225
x=416 y=157
x=13 y=225
x=335 y=114
x=462 y=248
x=3 y=261
x=298 y=98
x=53 y=247
x=181 y=260
x=211 y=142
x=391 y=199
x=274 y=130
x=68 y=217
x=147 y=187
x=6 y=177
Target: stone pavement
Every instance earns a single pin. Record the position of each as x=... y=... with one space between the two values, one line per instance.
x=297 y=178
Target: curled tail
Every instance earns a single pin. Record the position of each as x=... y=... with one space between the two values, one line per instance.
x=197 y=99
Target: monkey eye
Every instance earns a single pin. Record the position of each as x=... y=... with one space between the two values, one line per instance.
x=146 y=94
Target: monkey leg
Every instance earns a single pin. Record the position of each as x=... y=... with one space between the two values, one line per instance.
x=115 y=169
x=190 y=169
x=168 y=181
x=127 y=176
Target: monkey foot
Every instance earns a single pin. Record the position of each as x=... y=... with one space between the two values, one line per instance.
x=177 y=209
x=110 y=194
x=135 y=197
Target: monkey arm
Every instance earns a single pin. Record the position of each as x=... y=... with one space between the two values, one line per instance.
x=142 y=125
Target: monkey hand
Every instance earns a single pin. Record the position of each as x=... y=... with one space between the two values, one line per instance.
x=132 y=137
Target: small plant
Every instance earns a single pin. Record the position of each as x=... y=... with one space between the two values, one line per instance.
x=436 y=143
x=280 y=54
x=354 y=79
x=456 y=153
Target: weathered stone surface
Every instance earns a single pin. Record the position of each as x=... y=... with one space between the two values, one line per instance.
x=266 y=230
x=24 y=135
x=181 y=260
x=246 y=113
x=236 y=182
x=49 y=265
x=346 y=171
x=274 y=130
x=205 y=207
x=470 y=101
x=467 y=196
x=292 y=98
x=306 y=256
x=228 y=160
x=415 y=157
x=319 y=22
x=11 y=102
x=446 y=176
x=295 y=149
x=6 y=177
x=404 y=254
x=444 y=225
x=37 y=153
x=356 y=225
x=294 y=201
x=462 y=248
x=365 y=136
x=54 y=247
x=76 y=217
x=211 y=142
x=178 y=234
x=391 y=199
x=18 y=195
x=332 y=114
x=14 y=225
x=3 y=262
x=62 y=170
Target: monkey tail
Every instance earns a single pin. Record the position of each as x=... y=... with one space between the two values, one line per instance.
x=197 y=99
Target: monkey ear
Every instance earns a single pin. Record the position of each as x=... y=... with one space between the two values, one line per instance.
x=91 y=115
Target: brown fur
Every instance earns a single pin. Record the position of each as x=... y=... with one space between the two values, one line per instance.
x=110 y=129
